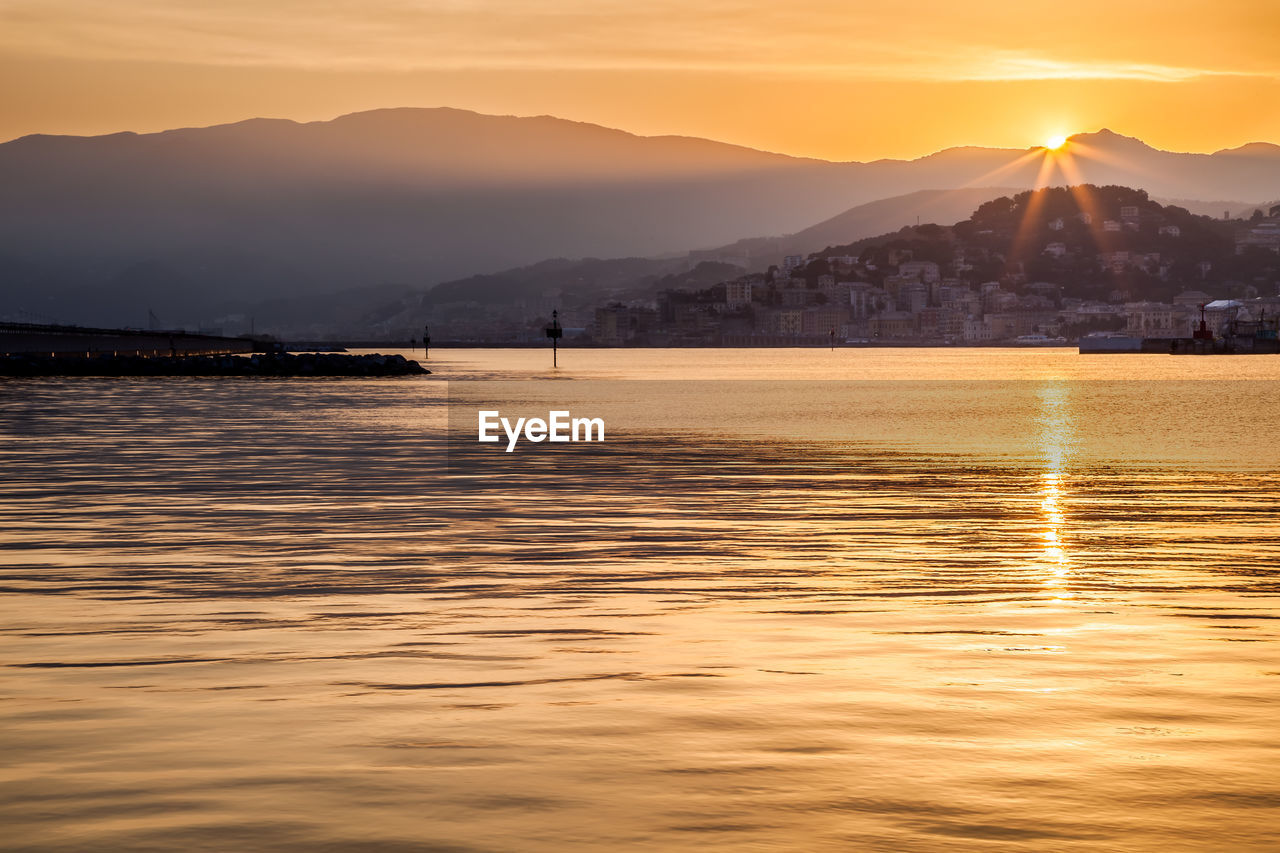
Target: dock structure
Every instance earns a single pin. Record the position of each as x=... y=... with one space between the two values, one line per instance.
x=87 y=342
x=1247 y=336
x=1231 y=345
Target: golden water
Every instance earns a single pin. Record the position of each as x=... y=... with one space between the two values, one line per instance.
x=798 y=600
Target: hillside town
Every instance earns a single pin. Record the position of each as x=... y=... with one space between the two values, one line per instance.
x=915 y=306
x=1144 y=271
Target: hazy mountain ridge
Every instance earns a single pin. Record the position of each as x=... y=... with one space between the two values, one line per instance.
x=200 y=221
x=940 y=206
x=576 y=285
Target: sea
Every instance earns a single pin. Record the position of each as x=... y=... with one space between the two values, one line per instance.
x=796 y=599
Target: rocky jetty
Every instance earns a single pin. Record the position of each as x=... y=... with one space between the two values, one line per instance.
x=276 y=364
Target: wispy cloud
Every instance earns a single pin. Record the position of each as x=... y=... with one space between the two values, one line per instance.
x=1026 y=66
x=822 y=38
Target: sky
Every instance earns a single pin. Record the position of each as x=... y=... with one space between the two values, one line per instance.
x=836 y=79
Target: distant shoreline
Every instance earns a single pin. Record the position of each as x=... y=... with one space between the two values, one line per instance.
x=291 y=347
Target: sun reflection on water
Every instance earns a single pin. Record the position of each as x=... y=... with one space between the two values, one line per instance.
x=1056 y=441
x=1055 y=557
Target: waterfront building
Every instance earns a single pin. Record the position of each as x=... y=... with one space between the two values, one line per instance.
x=976 y=330
x=894 y=325
x=823 y=320
x=1156 y=320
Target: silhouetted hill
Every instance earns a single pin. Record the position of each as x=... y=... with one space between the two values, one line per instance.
x=200 y=221
x=1080 y=240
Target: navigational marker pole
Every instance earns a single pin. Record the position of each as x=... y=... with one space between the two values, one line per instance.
x=555 y=333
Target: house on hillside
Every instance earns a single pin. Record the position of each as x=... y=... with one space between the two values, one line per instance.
x=737 y=293
x=926 y=271
x=1264 y=234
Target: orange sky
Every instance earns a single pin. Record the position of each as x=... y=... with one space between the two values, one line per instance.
x=825 y=78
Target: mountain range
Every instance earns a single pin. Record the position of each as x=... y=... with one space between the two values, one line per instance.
x=199 y=222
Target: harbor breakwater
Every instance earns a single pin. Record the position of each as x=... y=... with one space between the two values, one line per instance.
x=263 y=364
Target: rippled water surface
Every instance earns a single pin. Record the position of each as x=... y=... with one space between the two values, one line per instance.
x=797 y=600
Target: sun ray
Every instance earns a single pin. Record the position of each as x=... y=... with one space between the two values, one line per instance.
x=1086 y=202
x=1031 y=214
x=1044 y=177
x=984 y=180
x=1107 y=158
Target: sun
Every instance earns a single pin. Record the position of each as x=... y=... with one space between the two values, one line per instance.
x=1055 y=142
